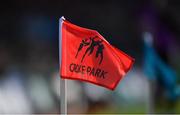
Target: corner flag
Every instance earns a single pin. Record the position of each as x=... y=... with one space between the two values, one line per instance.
x=87 y=56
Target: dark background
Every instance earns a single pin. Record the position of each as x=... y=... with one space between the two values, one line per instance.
x=29 y=46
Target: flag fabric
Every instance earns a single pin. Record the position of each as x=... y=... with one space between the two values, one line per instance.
x=87 y=56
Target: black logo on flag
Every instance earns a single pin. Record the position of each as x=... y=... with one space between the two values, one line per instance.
x=90 y=45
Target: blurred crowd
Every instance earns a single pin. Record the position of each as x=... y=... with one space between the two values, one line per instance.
x=146 y=30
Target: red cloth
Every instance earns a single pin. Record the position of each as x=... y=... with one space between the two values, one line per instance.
x=87 y=56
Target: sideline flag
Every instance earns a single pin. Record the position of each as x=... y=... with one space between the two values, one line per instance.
x=87 y=56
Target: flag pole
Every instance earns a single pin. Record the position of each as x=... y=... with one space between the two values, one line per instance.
x=63 y=90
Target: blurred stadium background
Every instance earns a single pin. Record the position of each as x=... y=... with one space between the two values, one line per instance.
x=147 y=30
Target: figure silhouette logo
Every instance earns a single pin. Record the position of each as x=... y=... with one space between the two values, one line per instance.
x=90 y=45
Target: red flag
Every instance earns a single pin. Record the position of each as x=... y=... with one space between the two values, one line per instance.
x=87 y=56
